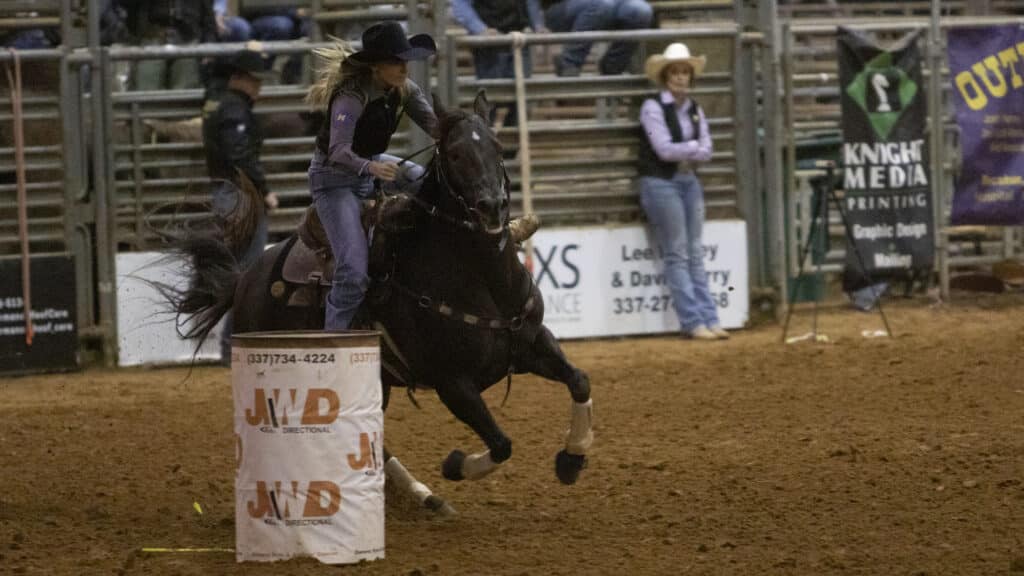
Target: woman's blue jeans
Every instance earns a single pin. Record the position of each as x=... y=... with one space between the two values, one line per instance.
x=675 y=211
x=338 y=195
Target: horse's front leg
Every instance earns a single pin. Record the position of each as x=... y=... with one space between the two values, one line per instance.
x=463 y=400
x=546 y=359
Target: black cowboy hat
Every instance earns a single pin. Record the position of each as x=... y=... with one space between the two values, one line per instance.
x=387 y=41
x=247 y=60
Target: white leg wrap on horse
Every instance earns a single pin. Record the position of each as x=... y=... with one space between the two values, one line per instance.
x=478 y=465
x=580 y=435
x=405 y=481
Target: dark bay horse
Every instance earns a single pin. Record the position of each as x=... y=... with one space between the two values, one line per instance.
x=455 y=304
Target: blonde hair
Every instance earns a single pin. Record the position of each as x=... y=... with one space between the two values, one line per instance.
x=336 y=68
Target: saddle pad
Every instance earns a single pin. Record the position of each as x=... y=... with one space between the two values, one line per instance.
x=304 y=266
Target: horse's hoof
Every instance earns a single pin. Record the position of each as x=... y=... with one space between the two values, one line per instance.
x=439 y=506
x=568 y=466
x=452 y=466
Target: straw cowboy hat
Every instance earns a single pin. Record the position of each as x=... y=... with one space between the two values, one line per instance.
x=674 y=53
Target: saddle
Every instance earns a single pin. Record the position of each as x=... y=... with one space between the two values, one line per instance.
x=309 y=265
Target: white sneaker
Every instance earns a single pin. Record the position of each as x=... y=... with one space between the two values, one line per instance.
x=701 y=333
x=719 y=332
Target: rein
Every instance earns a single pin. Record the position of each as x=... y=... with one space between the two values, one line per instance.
x=416 y=153
x=513 y=325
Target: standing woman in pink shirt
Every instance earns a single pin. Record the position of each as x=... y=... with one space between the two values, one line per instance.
x=676 y=141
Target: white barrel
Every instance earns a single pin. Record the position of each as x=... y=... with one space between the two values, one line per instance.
x=310 y=446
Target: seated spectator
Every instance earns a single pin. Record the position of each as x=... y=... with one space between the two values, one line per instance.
x=586 y=15
x=113 y=23
x=498 y=17
x=32 y=39
x=230 y=26
x=279 y=24
x=160 y=22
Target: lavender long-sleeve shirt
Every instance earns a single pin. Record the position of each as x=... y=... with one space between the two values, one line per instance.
x=346 y=108
x=652 y=118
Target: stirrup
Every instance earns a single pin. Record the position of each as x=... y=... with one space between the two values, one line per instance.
x=523 y=227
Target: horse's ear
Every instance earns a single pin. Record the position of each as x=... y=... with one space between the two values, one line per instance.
x=481 y=106
x=439 y=110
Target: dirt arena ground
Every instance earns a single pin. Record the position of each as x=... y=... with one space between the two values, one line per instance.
x=869 y=456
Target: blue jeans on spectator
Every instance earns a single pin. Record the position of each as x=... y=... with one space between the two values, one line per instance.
x=498 y=62
x=239 y=29
x=675 y=211
x=32 y=39
x=584 y=15
x=277 y=27
x=223 y=202
x=337 y=195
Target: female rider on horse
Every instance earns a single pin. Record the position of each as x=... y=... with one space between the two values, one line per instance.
x=364 y=95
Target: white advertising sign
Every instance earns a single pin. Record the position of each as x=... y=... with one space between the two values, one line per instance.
x=146 y=330
x=600 y=281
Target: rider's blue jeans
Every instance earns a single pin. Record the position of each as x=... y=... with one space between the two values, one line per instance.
x=338 y=196
x=675 y=211
x=584 y=15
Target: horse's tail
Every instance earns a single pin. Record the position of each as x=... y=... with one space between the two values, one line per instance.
x=213 y=274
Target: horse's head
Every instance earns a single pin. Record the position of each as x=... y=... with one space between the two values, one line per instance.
x=469 y=161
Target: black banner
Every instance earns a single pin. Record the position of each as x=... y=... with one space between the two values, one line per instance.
x=886 y=169
x=55 y=342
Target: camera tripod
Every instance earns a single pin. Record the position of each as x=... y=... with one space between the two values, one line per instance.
x=817 y=237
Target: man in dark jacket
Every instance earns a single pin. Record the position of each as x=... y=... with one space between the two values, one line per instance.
x=232 y=138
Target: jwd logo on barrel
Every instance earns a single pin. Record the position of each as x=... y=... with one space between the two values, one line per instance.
x=279 y=502
x=367 y=459
x=271 y=408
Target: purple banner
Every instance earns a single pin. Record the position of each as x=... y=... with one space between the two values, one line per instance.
x=986 y=66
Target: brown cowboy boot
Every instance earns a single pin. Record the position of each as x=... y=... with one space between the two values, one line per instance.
x=523 y=227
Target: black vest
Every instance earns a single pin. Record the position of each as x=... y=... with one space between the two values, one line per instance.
x=226 y=114
x=503 y=15
x=648 y=163
x=374 y=128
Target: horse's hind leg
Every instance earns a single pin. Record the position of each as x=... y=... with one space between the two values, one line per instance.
x=405 y=482
x=546 y=359
x=463 y=400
